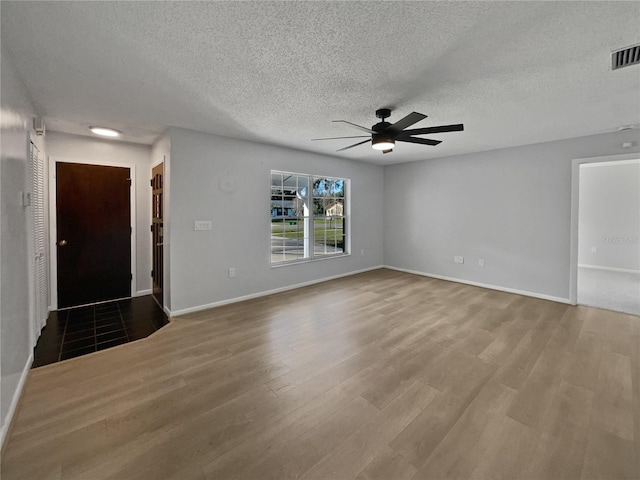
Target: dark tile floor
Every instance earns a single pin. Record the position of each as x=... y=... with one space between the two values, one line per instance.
x=78 y=331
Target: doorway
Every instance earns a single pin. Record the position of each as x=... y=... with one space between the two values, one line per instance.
x=157 y=234
x=93 y=233
x=607 y=259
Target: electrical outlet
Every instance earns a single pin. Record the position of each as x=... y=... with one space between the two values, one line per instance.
x=594 y=250
x=232 y=272
x=202 y=225
x=362 y=252
x=458 y=259
x=481 y=262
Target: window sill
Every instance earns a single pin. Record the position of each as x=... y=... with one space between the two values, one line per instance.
x=308 y=260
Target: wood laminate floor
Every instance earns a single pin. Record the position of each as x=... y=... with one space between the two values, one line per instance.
x=382 y=375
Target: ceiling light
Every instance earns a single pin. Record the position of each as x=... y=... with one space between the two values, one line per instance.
x=382 y=142
x=105 y=132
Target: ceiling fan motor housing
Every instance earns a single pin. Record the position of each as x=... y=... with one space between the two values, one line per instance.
x=379 y=127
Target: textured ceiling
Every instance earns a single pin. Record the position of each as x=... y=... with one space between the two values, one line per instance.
x=278 y=72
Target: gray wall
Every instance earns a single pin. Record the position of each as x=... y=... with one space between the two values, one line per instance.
x=200 y=163
x=610 y=215
x=510 y=207
x=15 y=284
x=106 y=152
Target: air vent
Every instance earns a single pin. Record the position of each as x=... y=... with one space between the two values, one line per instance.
x=625 y=57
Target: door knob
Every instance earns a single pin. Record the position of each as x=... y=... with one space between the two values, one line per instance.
x=62 y=243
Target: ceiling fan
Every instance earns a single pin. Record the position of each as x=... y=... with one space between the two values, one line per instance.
x=384 y=135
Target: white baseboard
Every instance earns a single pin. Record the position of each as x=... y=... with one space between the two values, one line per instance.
x=142 y=293
x=14 y=401
x=484 y=285
x=610 y=269
x=184 y=311
x=325 y=279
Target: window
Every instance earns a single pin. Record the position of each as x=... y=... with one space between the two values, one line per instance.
x=308 y=217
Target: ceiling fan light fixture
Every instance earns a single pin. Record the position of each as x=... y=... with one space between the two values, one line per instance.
x=382 y=142
x=105 y=132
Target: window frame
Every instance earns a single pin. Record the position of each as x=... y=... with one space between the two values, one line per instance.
x=310 y=246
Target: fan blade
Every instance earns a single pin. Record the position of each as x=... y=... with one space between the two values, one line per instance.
x=405 y=122
x=387 y=151
x=441 y=129
x=365 y=129
x=338 y=138
x=354 y=145
x=421 y=141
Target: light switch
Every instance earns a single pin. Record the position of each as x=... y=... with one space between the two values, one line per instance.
x=202 y=225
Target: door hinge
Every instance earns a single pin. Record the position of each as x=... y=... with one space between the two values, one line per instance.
x=130 y=230
x=151 y=228
x=151 y=182
x=131 y=276
x=152 y=273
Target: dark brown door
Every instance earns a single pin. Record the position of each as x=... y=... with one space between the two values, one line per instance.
x=157 y=246
x=94 y=233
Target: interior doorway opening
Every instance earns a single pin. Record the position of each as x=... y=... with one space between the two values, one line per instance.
x=608 y=243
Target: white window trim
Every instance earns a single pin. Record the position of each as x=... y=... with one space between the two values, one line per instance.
x=346 y=216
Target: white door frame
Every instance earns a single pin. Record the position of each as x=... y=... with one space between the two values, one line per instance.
x=575 y=200
x=53 y=224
